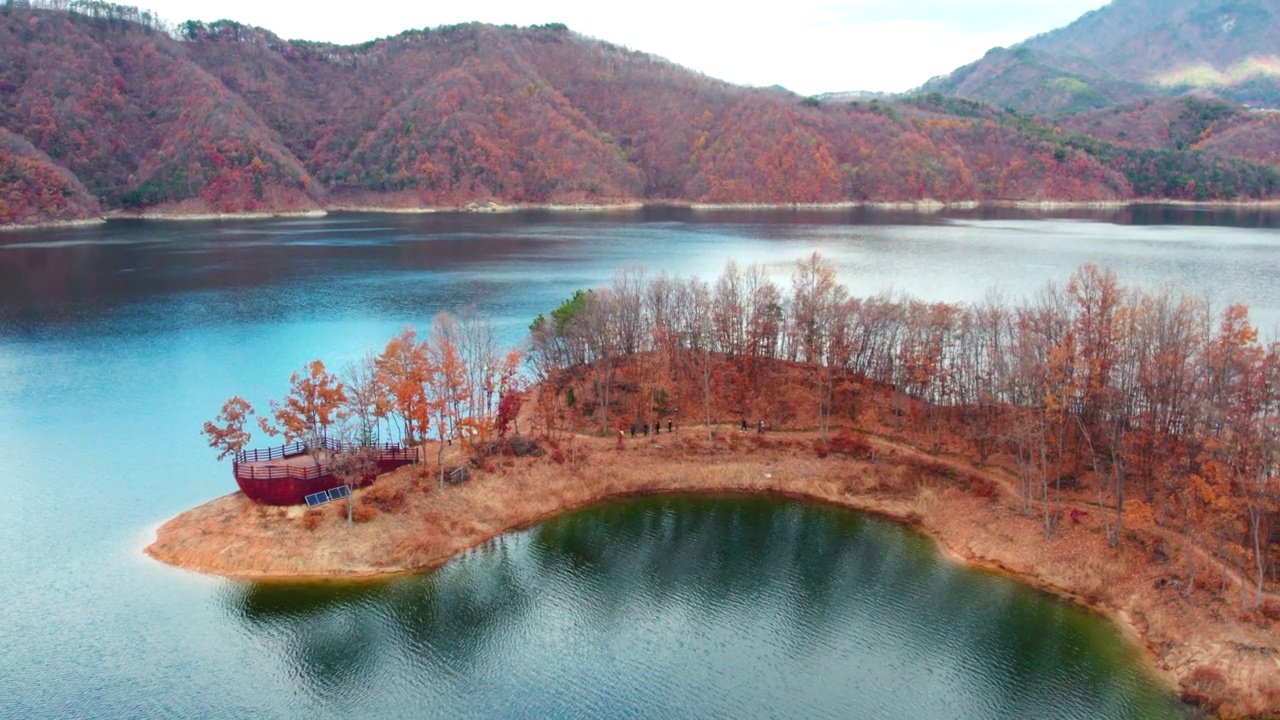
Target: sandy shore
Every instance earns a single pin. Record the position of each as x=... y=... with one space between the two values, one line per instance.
x=81 y=222
x=1209 y=653
x=488 y=207
x=925 y=206
x=190 y=217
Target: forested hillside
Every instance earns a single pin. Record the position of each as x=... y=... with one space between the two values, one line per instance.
x=1131 y=49
x=1186 y=123
x=35 y=189
x=1153 y=406
x=228 y=118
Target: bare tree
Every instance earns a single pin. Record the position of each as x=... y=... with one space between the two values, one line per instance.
x=367 y=399
x=816 y=302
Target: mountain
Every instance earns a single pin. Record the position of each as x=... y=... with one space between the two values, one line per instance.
x=1130 y=49
x=1034 y=81
x=224 y=117
x=121 y=106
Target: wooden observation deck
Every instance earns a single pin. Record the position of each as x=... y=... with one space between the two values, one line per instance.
x=285 y=475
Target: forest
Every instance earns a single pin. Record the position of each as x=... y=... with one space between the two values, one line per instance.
x=1149 y=405
x=125 y=114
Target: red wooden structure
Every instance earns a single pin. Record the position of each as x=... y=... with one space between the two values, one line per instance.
x=282 y=483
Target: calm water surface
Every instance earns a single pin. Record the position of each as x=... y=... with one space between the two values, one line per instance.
x=116 y=342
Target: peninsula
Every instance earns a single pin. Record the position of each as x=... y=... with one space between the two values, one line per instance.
x=405 y=523
x=1092 y=442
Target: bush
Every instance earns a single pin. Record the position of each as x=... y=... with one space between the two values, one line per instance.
x=1202 y=684
x=979 y=486
x=1271 y=610
x=385 y=498
x=311 y=519
x=855 y=445
x=363 y=513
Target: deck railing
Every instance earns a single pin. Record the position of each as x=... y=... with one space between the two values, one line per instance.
x=275 y=453
x=244 y=469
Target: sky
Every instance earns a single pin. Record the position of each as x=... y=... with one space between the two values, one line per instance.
x=808 y=46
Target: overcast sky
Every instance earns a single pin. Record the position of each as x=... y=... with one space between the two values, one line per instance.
x=809 y=46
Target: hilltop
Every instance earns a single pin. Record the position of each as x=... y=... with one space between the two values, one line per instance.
x=1130 y=49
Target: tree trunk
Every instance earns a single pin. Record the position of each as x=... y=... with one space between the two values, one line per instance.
x=1117 y=469
x=706 y=389
x=606 y=377
x=1191 y=550
x=1049 y=517
x=440 y=459
x=1255 y=529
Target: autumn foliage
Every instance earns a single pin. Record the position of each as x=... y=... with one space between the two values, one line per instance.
x=223 y=117
x=1145 y=404
x=35 y=189
x=453 y=385
x=226 y=433
x=313 y=404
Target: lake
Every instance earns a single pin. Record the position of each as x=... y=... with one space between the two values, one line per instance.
x=118 y=341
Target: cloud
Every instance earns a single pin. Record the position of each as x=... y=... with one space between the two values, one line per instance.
x=968 y=17
x=810 y=46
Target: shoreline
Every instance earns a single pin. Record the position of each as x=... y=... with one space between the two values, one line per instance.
x=210 y=216
x=54 y=224
x=231 y=538
x=924 y=207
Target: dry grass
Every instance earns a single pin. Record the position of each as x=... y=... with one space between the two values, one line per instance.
x=927 y=501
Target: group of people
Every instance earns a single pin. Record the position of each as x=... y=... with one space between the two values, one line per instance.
x=637 y=429
x=657 y=428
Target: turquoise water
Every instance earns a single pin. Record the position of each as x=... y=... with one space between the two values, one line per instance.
x=116 y=342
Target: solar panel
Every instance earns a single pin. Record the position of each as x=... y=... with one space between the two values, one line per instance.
x=315 y=499
x=339 y=492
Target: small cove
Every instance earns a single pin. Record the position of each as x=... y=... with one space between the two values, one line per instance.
x=705 y=607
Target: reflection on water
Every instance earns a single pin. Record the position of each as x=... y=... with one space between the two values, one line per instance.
x=128 y=273
x=683 y=607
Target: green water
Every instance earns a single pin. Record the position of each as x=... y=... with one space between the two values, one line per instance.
x=700 y=607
